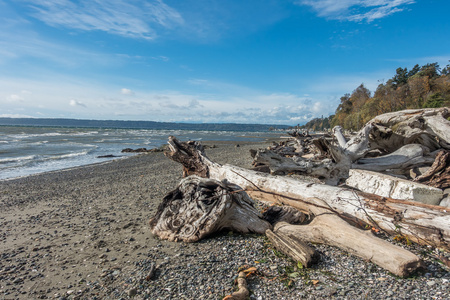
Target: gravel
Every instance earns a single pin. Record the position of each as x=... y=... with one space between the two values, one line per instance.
x=83 y=234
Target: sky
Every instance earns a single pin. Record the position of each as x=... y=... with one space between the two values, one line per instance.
x=208 y=61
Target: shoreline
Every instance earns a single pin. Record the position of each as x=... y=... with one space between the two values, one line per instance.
x=82 y=233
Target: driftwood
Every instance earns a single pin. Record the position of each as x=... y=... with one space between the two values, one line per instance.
x=405 y=158
x=242 y=293
x=325 y=169
x=425 y=224
x=439 y=173
x=402 y=140
x=391 y=131
x=393 y=187
x=291 y=245
x=329 y=228
x=199 y=207
x=330 y=164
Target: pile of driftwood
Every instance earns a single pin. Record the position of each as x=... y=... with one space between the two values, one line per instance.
x=214 y=196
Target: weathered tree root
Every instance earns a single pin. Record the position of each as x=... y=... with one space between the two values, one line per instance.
x=439 y=173
x=199 y=207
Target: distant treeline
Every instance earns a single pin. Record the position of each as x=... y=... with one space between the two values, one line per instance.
x=137 y=124
x=421 y=87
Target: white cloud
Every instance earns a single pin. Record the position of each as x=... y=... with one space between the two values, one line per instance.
x=356 y=10
x=15 y=116
x=15 y=98
x=137 y=19
x=76 y=103
x=51 y=99
x=125 y=91
x=161 y=58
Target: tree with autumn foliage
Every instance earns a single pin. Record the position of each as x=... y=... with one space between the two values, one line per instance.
x=420 y=87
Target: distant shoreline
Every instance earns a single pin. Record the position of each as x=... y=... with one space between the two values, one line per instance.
x=120 y=124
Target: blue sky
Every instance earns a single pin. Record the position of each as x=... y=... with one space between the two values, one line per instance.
x=239 y=61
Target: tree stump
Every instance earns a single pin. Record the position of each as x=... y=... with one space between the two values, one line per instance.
x=199 y=207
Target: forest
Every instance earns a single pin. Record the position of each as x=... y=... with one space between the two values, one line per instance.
x=421 y=87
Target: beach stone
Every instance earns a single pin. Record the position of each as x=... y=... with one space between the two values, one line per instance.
x=392 y=187
x=132 y=292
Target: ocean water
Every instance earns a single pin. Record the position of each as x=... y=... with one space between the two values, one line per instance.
x=31 y=150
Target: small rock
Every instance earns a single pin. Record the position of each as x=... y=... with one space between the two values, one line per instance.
x=132 y=292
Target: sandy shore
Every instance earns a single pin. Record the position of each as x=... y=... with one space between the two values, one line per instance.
x=83 y=234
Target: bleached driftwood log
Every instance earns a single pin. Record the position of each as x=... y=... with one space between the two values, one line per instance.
x=420 y=223
x=200 y=206
x=393 y=187
x=405 y=158
x=391 y=131
x=329 y=228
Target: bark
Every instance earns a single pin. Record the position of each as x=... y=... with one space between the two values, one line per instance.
x=199 y=207
x=439 y=173
x=426 y=224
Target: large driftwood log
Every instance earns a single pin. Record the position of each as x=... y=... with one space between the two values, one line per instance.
x=199 y=207
x=329 y=228
x=426 y=224
x=405 y=158
x=393 y=187
x=391 y=131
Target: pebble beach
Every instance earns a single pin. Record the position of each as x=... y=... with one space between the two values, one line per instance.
x=83 y=233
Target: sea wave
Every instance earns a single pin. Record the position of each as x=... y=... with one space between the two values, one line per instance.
x=68 y=155
x=17 y=159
